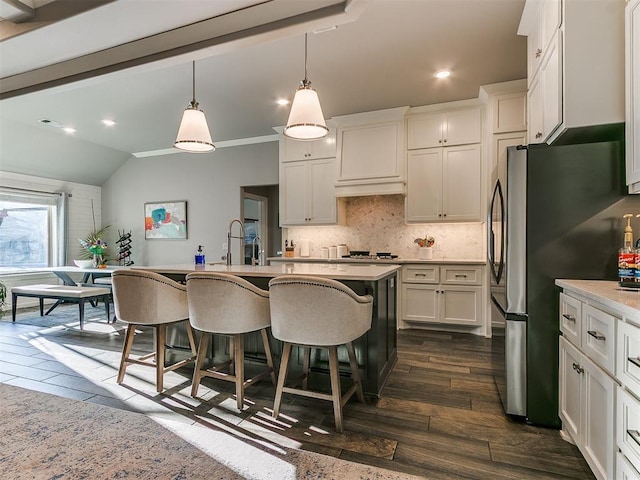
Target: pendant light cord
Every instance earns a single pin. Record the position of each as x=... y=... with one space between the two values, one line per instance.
x=194 y=82
x=305 y=58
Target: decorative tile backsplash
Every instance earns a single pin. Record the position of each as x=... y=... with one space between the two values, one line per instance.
x=376 y=223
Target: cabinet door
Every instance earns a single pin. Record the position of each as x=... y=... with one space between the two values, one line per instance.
x=462 y=127
x=294 y=186
x=628 y=426
x=420 y=302
x=293 y=150
x=552 y=91
x=628 y=356
x=598 y=439
x=322 y=204
x=509 y=112
x=370 y=152
x=424 y=185
x=571 y=318
x=632 y=125
x=461 y=179
x=461 y=305
x=624 y=470
x=424 y=131
x=598 y=336
x=570 y=389
x=535 y=111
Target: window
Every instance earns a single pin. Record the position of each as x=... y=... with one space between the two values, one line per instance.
x=32 y=232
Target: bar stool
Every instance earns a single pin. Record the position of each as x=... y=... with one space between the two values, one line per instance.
x=144 y=298
x=317 y=312
x=228 y=305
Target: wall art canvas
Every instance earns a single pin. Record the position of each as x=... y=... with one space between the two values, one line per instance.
x=165 y=220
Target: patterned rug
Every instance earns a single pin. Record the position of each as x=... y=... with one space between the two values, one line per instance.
x=48 y=437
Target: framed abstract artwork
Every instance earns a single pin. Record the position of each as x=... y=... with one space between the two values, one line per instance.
x=165 y=220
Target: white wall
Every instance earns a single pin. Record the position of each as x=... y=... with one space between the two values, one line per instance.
x=210 y=183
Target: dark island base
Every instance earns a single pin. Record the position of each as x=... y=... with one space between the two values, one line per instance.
x=376 y=350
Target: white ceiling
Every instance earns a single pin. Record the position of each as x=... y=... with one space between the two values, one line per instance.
x=380 y=56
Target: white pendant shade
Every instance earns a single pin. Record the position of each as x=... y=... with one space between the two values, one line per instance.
x=193 y=134
x=306 y=121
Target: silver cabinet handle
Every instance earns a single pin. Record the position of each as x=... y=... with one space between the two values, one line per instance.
x=635 y=361
x=634 y=435
x=569 y=317
x=539 y=135
x=578 y=368
x=461 y=275
x=596 y=335
x=538 y=53
x=420 y=274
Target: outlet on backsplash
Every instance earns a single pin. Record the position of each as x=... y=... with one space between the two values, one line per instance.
x=376 y=223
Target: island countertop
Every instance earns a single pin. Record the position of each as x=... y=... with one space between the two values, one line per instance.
x=607 y=293
x=334 y=271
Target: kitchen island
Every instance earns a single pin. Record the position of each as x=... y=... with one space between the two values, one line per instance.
x=376 y=351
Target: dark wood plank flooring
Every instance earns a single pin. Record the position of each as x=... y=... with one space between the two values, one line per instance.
x=439 y=416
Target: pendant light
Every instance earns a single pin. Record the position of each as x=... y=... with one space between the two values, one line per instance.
x=193 y=134
x=306 y=121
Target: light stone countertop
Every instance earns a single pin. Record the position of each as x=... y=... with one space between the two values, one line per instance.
x=334 y=271
x=394 y=261
x=608 y=294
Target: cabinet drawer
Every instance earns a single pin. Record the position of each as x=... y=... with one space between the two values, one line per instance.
x=628 y=426
x=624 y=470
x=420 y=274
x=628 y=356
x=461 y=276
x=571 y=318
x=598 y=336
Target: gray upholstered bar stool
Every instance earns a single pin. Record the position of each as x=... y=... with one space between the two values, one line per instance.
x=144 y=298
x=318 y=312
x=228 y=305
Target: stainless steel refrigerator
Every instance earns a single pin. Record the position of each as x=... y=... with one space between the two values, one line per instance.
x=556 y=212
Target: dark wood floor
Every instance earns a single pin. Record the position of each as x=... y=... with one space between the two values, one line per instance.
x=439 y=415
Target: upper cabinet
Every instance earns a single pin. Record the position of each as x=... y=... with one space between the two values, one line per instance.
x=575 y=66
x=632 y=28
x=458 y=127
x=292 y=150
x=371 y=150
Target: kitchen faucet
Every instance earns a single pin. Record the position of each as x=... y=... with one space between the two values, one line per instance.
x=230 y=236
x=255 y=260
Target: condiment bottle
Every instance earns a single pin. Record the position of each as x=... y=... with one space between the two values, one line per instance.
x=627 y=254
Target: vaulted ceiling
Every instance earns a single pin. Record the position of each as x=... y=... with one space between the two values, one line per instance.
x=130 y=61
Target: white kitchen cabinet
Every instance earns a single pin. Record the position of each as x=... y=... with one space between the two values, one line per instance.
x=625 y=470
x=509 y=112
x=371 y=150
x=628 y=426
x=587 y=408
x=628 y=357
x=450 y=294
x=306 y=193
x=293 y=150
x=444 y=184
x=632 y=125
x=576 y=70
x=457 y=127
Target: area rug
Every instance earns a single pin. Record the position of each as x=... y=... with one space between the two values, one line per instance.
x=66 y=317
x=43 y=436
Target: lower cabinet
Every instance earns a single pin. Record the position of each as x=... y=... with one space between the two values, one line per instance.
x=587 y=408
x=625 y=470
x=442 y=294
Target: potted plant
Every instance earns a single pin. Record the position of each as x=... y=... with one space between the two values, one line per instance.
x=93 y=247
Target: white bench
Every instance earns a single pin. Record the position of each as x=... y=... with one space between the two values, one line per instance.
x=65 y=293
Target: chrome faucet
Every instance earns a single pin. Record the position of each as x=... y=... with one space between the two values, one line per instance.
x=256 y=260
x=230 y=236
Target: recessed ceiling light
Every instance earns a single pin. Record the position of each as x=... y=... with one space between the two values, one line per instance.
x=108 y=123
x=282 y=101
x=69 y=129
x=442 y=73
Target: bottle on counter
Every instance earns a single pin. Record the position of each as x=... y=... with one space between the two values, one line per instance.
x=627 y=254
x=199 y=258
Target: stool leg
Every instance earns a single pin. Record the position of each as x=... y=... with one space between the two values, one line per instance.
x=42 y=307
x=126 y=351
x=355 y=371
x=238 y=354
x=105 y=299
x=81 y=307
x=200 y=358
x=161 y=336
x=267 y=352
x=14 y=306
x=306 y=360
x=282 y=376
x=335 y=387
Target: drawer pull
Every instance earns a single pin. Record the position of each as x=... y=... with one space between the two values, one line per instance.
x=596 y=335
x=635 y=361
x=635 y=435
x=461 y=275
x=578 y=368
x=420 y=274
x=569 y=317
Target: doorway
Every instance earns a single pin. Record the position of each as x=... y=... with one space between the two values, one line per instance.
x=259 y=212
